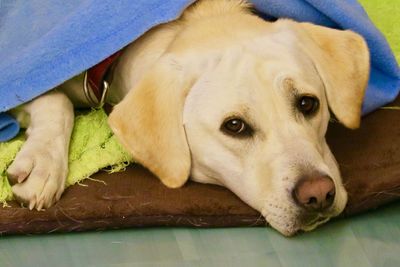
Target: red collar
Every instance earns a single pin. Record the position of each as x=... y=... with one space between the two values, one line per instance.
x=95 y=83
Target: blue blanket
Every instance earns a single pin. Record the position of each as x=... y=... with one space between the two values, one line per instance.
x=43 y=43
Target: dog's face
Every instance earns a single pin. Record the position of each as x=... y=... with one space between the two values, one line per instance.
x=256 y=123
x=251 y=115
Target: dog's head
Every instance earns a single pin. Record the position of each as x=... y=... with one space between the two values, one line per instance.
x=250 y=112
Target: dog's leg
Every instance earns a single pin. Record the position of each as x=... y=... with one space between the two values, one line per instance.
x=39 y=170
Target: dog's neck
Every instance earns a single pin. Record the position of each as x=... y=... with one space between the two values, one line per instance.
x=119 y=76
x=98 y=78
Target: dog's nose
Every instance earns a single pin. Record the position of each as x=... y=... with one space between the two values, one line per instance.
x=315 y=193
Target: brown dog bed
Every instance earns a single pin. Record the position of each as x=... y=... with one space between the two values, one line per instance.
x=369 y=160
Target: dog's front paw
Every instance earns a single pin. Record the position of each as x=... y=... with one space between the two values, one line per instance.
x=38 y=174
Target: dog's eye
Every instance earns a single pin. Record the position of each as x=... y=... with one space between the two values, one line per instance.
x=236 y=127
x=307 y=104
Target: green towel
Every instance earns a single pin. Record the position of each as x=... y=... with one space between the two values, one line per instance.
x=94 y=147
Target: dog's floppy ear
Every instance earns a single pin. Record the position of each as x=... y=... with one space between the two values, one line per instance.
x=342 y=60
x=148 y=122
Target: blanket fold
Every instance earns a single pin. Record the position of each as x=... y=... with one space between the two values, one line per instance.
x=44 y=43
x=9 y=127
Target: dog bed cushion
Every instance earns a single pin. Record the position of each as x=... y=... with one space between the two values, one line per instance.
x=368 y=158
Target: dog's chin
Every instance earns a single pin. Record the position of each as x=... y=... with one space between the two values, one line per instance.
x=298 y=227
x=314 y=223
x=301 y=223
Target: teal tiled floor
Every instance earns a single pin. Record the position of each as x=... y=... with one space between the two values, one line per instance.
x=371 y=239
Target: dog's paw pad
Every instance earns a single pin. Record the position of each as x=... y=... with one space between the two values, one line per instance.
x=20 y=169
x=38 y=191
x=38 y=177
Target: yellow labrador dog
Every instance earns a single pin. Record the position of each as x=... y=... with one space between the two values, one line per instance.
x=224 y=97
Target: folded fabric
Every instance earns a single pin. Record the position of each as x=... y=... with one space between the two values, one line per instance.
x=44 y=43
x=9 y=127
